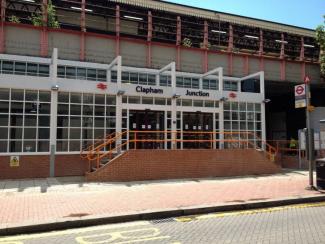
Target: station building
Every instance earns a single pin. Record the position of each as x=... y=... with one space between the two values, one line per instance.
x=153 y=75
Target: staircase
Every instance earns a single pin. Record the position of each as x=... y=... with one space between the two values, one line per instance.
x=112 y=148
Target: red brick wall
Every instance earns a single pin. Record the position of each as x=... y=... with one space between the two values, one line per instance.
x=30 y=167
x=172 y=164
x=38 y=166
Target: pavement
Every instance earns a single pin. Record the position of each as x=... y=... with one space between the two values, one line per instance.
x=60 y=203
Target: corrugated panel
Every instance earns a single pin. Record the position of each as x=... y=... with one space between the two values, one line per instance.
x=163 y=6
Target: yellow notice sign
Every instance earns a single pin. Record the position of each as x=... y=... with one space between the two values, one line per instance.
x=14 y=161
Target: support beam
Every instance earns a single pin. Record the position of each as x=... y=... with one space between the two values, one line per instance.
x=83 y=29
x=231 y=39
x=282 y=46
x=44 y=33
x=2 y=27
x=283 y=70
x=205 y=46
x=117 y=30
x=303 y=70
x=302 y=49
x=178 y=42
x=149 y=39
x=246 y=65
x=261 y=49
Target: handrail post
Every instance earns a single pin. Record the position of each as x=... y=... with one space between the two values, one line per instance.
x=135 y=140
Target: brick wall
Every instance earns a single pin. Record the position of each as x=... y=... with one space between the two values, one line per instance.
x=172 y=164
x=38 y=166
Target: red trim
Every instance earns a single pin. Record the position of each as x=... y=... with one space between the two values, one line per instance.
x=149 y=38
x=303 y=70
x=231 y=39
x=283 y=70
x=178 y=42
x=205 y=46
x=83 y=29
x=2 y=26
x=302 y=49
x=282 y=46
x=230 y=64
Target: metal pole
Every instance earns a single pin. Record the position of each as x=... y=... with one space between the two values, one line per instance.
x=309 y=135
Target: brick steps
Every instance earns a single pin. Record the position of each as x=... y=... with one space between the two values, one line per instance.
x=137 y=165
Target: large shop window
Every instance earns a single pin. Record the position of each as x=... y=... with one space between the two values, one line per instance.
x=243 y=117
x=24 y=120
x=83 y=118
x=80 y=73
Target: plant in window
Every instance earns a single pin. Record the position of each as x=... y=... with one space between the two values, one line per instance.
x=37 y=19
x=187 y=42
x=14 y=19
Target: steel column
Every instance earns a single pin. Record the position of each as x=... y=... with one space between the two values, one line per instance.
x=178 y=42
x=261 y=49
x=2 y=26
x=283 y=62
x=117 y=30
x=282 y=46
x=83 y=29
x=205 y=47
x=44 y=33
x=303 y=70
x=230 y=49
x=302 y=49
x=149 y=39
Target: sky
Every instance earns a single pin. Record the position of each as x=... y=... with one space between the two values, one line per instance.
x=302 y=13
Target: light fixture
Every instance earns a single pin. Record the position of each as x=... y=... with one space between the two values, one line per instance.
x=132 y=17
x=120 y=92
x=55 y=88
x=224 y=99
x=322 y=121
x=252 y=37
x=77 y=8
x=219 y=31
x=266 y=100
x=176 y=95
x=29 y=1
x=280 y=41
x=307 y=45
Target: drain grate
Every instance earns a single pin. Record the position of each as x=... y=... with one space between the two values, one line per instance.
x=159 y=221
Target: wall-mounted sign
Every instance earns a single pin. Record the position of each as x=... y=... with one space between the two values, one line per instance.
x=197 y=93
x=300 y=96
x=232 y=95
x=102 y=86
x=148 y=90
x=14 y=161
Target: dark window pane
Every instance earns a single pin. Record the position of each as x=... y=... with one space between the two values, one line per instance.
x=75 y=121
x=15 y=146
x=74 y=146
x=98 y=133
x=99 y=122
x=134 y=78
x=195 y=83
x=17 y=95
x=113 y=76
x=31 y=108
x=100 y=99
x=70 y=72
x=63 y=109
x=110 y=100
x=4 y=94
x=31 y=69
x=63 y=121
x=75 y=109
x=88 y=98
x=125 y=77
x=81 y=73
x=88 y=110
x=20 y=68
x=44 y=96
x=75 y=97
x=17 y=107
x=43 y=120
x=163 y=80
x=75 y=133
x=31 y=95
x=3 y=146
x=30 y=120
x=87 y=122
x=87 y=134
x=91 y=74
x=63 y=97
x=44 y=108
x=101 y=75
x=110 y=111
x=4 y=107
x=143 y=79
x=7 y=67
x=99 y=110
x=43 y=70
x=151 y=80
x=62 y=133
x=29 y=133
x=16 y=120
x=62 y=146
x=29 y=146
x=61 y=71
x=43 y=146
x=4 y=118
x=4 y=133
x=16 y=133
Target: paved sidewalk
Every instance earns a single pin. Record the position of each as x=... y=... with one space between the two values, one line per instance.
x=40 y=201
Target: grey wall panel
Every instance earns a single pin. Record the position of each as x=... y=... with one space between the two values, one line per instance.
x=253 y=65
x=162 y=56
x=68 y=17
x=191 y=61
x=218 y=60
x=134 y=54
x=293 y=72
x=313 y=71
x=22 y=41
x=67 y=44
x=272 y=70
x=99 y=50
x=238 y=66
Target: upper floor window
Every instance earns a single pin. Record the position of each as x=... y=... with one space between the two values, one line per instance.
x=187 y=82
x=24 y=68
x=81 y=73
x=138 y=78
x=230 y=85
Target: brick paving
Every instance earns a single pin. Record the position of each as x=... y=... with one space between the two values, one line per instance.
x=58 y=199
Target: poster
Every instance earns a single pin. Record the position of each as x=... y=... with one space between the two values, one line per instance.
x=14 y=161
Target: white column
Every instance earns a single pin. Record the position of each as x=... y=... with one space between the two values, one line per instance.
x=221 y=106
x=262 y=87
x=119 y=100
x=174 y=107
x=54 y=108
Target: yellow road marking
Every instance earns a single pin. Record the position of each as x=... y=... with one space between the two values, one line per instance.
x=72 y=231
x=247 y=212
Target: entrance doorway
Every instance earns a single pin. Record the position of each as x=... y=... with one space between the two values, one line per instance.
x=145 y=126
x=193 y=124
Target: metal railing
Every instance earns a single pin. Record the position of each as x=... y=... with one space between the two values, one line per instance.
x=116 y=143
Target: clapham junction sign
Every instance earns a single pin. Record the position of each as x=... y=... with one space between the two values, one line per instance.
x=151 y=90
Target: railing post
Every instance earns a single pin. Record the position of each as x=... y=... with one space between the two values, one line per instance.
x=135 y=140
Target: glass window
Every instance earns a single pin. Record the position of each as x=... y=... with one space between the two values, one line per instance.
x=147 y=100
x=209 y=104
x=63 y=97
x=17 y=95
x=102 y=75
x=70 y=72
x=61 y=71
x=44 y=96
x=134 y=78
x=160 y=101
x=4 y=94
x=134 y=100
x=110 y=100
x=81 y=73
x=88 y=98
x=20 y=68
x=75 y=97
x=7 y=67
x=163 y=80
x=91 y=74
x=179 y=82
x=143 y=79
x=31 y=95
x=151 y=79
x=113 y=76
x=198 y=103
x=195 y=83
x=44 y=70
x=186 y=102
x=187 y=82
x=125 y=77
